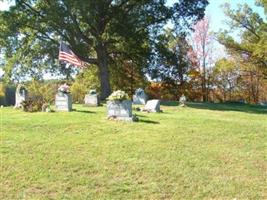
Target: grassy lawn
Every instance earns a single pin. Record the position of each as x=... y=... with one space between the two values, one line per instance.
x=203 y=151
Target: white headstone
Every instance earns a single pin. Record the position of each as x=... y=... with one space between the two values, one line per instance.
x=63 y=102
x=182 y=100
x=21 y=95
x=153 y=105
x=140 y=97
x=91 y=99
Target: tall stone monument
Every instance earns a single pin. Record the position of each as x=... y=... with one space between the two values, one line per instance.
x=21 y=95
x=139 y=97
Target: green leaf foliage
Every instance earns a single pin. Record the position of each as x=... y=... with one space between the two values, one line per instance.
x=252 y=47
x=99 y=32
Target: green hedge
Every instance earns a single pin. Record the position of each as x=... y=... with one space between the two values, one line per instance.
x=7 y=94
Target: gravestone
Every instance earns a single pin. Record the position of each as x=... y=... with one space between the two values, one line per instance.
x=152 y=106
x=92 y=99
x=139 y=97
x=182 y=101
x=120 y=110
x=21 y=95
x=63 y=102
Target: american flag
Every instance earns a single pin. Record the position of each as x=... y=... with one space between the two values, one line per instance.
x=66 y=54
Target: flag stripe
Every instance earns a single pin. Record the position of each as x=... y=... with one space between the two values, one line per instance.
x=69 y=57
x=70 y=61
x=65 y=54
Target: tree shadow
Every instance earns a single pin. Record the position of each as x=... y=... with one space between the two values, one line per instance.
x=148 y=121
x=239 y=107
x=143 y=116
x=83 y=111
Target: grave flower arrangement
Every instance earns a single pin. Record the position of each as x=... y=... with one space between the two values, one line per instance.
x=64 y=89
x=118 y=95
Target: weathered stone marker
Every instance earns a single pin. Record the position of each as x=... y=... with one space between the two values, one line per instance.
x=152 y=106
x=92 y=99
x=140 y=97
x=120 y=110
x=63 y=102
x=182 y=101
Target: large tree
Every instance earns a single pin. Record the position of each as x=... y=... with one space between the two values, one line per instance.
x=225 y=76
x=97 y=31
x=172 y=61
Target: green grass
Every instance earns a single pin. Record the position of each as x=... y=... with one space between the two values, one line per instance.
x=203 y=151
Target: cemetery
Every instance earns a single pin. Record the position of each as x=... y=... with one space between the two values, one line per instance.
x=78 y=153
x=133 y=100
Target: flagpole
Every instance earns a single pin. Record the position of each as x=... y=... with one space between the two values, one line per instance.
x=59 y=51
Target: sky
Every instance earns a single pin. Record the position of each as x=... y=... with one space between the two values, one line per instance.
x=217 y=17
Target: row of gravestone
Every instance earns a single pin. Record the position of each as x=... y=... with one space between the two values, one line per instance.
x=64 y=103
x=116 y=109
x=121 y=110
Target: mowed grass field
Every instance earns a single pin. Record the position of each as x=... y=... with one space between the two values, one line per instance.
x=203 y=151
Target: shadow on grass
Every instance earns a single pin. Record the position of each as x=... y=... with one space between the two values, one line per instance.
x=169 y=103
x=239 y=107
x=83 y=111
x=148 y=121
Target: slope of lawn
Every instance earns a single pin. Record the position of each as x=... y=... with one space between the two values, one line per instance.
x=203 y=151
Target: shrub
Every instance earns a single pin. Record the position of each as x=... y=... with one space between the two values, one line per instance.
x=45 y=91
x=78 y=91
x=86 y=80
x=32 y=104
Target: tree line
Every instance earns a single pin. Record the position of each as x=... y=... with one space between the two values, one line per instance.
x=127 y=45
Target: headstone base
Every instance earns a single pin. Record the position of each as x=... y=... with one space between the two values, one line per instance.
x=128 y=119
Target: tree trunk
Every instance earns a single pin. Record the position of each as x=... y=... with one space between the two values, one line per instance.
x=102 y=57
x=204 y=86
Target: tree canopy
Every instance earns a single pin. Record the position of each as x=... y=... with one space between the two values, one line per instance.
x=99 y=32
x=252 y=46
